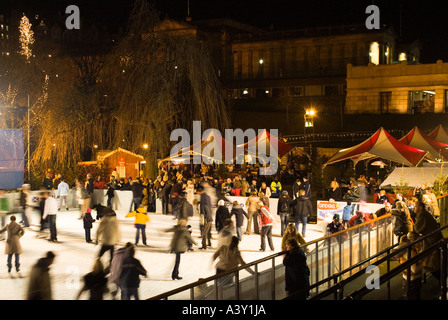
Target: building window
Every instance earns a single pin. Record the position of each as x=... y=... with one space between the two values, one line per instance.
x=421 y=101
x=374 y=53
x=402 y=56
x=262 y=93
x=278 y=92
x=296 y=91
x=446 y=101
x=385 y=101
x=331 y=90
x=245 y=93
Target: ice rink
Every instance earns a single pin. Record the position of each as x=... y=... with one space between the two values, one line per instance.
x=74 y=257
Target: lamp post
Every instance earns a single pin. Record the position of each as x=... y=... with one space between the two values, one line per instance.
x=309 y=118
x=28 y=138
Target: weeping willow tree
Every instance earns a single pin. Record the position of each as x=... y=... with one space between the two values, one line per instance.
x=165 y=80
x=73 y=116
x=153 y=81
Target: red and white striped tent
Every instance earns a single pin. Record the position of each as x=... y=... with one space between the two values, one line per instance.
x=439 y=134
x=381 y=145
x=210 y=149
x=418 y=139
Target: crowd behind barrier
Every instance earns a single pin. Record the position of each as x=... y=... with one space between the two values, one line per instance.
x=121 y=202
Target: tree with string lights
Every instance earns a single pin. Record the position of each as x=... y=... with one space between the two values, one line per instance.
x=26 y=37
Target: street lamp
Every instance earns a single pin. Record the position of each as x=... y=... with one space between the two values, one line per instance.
x=309 y=118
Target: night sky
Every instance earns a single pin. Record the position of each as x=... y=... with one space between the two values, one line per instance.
x=422 y=20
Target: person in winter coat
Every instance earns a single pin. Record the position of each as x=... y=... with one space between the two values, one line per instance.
x=431 y=200
x=63 y=190
x=222 y=214
x=382 y=197
x=347 y=213
x=276 y=188
x=13 y=247
x=297 y=273
x=206 y=211
x=226 y=233
x=115 y=268
x=252 y=211
x=335 y=226
x=239 y=214
x=416 y=269
x=183 y=209
x=291 y=233
x=88 y=224
x=108 y=233
x=39 y=285
x=335 y=191
x=141 y=219
x=229 y=257
x=179 y=244
x=26 y=202
x=131 y=270
x=403 y=221
x=424 y=225
x=354 y=194
x=301 y=210
x=284 y=209
x=95 y=282
x=267 y=223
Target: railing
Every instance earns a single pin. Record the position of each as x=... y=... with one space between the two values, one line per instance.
x=337 y=289
x=325 y=257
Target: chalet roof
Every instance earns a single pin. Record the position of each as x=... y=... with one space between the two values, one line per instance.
x=102 y=155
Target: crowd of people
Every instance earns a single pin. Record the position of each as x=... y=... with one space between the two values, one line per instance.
x=415 y=214
x=181 y=194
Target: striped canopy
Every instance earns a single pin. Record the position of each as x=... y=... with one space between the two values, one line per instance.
x=418 y=139
x=381 y=145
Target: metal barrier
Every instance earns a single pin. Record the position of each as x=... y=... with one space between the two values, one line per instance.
x=337 y=288
x=326 y=256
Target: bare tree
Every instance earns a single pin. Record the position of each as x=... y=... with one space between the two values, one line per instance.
x=166 y=80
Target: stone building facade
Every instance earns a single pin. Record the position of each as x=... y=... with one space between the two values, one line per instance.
x=397 y=89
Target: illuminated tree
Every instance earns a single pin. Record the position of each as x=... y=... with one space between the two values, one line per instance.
x=165 y=80
x=26 y=37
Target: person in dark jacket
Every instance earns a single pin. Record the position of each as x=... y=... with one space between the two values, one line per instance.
x=137 y=194
x=131 y=270
x=297 y=273
x=179 y=244
x=166 y=197
x=88 y=224
x=354 y=194
x=95 y=282
x=301 y=210
x=222 y=214
x=335 y=191
x=239 y=214
x=183 y=208
x=206 y=211
x=175 y=195
x=284 y=210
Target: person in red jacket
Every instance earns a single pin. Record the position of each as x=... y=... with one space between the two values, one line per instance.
x=266 y=223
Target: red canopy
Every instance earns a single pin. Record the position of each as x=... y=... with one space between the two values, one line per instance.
x=381 y=145
x=439 y=134
x=418 y=139
x=211 y=147
x=264 y=141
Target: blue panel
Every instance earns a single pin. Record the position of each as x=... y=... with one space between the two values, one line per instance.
x=12 y=159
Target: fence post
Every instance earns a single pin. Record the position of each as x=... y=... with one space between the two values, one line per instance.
x=443 y=274
x=256 y=283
